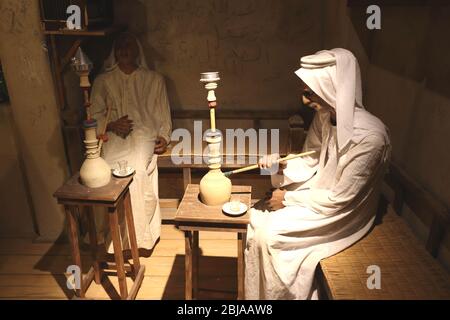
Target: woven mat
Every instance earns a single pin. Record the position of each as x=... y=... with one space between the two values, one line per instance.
x=408 y=271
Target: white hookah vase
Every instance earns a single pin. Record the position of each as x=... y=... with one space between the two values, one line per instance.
x=94 y=172
x=215 y=188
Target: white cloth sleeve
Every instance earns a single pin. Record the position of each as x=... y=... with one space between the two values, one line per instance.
x=302 y=169
x=362 y=163
x=163 y=112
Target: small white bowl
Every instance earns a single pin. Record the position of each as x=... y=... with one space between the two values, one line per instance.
x=116 y=172
x=227 y=209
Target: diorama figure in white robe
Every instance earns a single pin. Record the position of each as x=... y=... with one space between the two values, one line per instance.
x=333 y=194
x=142 y=96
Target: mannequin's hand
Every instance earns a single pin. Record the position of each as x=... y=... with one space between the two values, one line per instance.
x=161 y=145
x=122 y=127
x=275 y=200
x=267 y=161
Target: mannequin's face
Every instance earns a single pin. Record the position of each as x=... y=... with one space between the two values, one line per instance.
x=126 y=50
x=312 y=100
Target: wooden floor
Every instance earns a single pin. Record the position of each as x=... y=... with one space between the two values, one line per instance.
x=37 y=270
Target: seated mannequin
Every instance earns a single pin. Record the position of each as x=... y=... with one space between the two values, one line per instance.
x=138 y=130
x=324 y=202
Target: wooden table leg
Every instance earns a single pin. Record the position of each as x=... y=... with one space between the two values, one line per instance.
x=71 y=212
x=188 y=265
x=186 y=177
x=94 y=244
x=242 y=239
x=131 y=233
x=118 y=254
x=195 y=262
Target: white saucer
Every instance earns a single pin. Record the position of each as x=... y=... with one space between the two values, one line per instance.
x=116 y=172
x=227 y=209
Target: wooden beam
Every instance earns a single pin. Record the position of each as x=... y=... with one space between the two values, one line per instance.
x=390 y=3
x=417 y=198
x=429 y=210
x=231 y=114
x=57 y=73
x=86 y=33
x=435 y=236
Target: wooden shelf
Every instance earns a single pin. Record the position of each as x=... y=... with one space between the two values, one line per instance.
x=231 y=114
x=366 y=3
x=86 y=33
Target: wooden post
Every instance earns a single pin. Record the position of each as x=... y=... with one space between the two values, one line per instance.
x=75 y=249
x=242 y=239
x=187 y=177
x=131 y=233
x=118 y=254
x=188 y=265
x=195 y=263
x=94 y=244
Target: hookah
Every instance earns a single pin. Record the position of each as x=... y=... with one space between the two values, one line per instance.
x=94 y=172
x=215 y=188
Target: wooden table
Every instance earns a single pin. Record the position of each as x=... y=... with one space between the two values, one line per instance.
x=193 y=216
x=115 y=197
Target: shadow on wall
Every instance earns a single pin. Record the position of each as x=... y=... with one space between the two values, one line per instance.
x=53 y=153
x=408 y=83
x=15 y=201
x=133 y=14
x=255 y=45
x=412 y=43
x=27 y=221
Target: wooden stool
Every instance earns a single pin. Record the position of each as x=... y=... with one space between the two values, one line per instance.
x=116 y=197
x=193 y=216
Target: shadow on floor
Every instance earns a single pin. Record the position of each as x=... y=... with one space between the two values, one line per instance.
x=217 y=278
x=58 y=258
x=217 y=275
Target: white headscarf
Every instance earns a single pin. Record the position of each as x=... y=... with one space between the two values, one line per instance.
x=111 y=63
x=334 y=76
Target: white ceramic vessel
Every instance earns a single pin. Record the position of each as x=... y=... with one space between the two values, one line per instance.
x=94 y=172
x=215 y=188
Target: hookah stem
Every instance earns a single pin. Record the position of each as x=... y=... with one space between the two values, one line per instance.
x=105 y=125
x=255 y=166
x=87 y=103
x=212 y=113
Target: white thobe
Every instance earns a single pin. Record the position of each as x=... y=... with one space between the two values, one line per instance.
x=142 y=96
x=331 y=204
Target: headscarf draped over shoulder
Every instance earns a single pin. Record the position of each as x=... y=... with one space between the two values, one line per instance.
x=334 y=75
